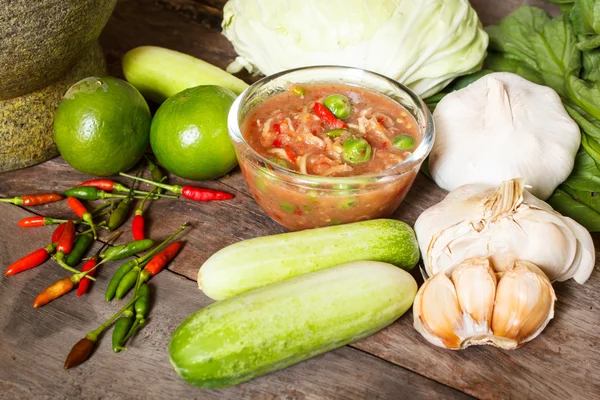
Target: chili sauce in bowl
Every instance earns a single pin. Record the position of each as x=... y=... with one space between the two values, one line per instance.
x=322 y=153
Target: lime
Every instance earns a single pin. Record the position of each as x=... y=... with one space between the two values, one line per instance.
x=189 y=133
x=102 y=126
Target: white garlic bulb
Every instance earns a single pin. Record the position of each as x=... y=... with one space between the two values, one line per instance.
x=502 y=127
x=474 y=307
x=505 y=224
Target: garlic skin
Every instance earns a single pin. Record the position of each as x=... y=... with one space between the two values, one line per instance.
x=504 y=224
x=475 y=309
x=502 y=127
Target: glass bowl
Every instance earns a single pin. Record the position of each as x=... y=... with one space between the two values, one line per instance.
x=299 y=201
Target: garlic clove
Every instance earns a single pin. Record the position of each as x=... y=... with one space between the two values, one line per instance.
x=475 y=284
x=524 y=305
x=437 y=315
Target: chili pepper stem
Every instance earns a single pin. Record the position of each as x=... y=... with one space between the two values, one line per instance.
x=60 y=261
x=171 y=188
x=93 y=335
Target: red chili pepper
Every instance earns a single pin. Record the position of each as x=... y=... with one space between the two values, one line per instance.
x=66 y=240
x=54 y=291
x=201 y=194
x=189 y=192
x=58 y=232
x=77 y=206
x=33 y=199
x=84 y=284
x=137 y=227
x=31 y=260
x=277 y=128
x=102 y=184
x=277 y=143
x=31 y=222
x=290 y=153
x=327 y=116
x=159 y=261
x=82 y=212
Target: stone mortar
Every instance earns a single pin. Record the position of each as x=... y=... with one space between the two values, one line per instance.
x=26 y=132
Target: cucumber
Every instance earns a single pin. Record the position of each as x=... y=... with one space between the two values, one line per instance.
x=253 y=263
x=270 y=328
x=159 y=73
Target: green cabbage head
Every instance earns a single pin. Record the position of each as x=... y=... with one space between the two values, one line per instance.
x=423 y=44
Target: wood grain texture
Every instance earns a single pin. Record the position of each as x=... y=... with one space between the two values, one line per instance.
x=35 y=342
x=564 y=362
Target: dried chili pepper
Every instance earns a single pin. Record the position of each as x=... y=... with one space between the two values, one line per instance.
x=189 y=192
x=33 y=199
x=31 y=260
x=82 y=350
x=82 y=213
x=128 y=266
x=327 y=116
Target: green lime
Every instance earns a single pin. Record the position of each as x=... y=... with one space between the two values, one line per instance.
x=189 y=133
x=102 y=126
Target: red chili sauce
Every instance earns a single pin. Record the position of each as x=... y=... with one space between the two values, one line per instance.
x=329 y=130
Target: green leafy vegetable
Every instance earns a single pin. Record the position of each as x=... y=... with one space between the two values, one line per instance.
x=561 y=53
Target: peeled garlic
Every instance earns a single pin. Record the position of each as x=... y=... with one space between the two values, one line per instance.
x=502 y=127
x=474 y=308
x=504 y=224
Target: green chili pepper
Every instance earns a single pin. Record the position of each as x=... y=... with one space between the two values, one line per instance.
x=346 y=204
x=287 y=207
x=404 y=142
x=339 y=105
x=142 y=303
x=298 y=91
x=127 y=282
x=92 y=193
x=335 y=133
x=119 y=216
x=138 y=262
x=122 y=327
x=157 y=174
x=356 y=150
x=82 y=243
x=119 y=274
x=127 y=249
x=280 y=162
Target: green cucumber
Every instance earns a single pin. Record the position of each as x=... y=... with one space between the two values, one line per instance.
x=159 y=73
x=253 y=263
x=261 y=331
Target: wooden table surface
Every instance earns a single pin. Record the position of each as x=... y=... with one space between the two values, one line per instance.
x=563 y=363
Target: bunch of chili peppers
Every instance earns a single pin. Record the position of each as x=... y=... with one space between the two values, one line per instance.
x=68 y=247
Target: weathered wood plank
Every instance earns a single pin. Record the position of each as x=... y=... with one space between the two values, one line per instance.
x=35 y=342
